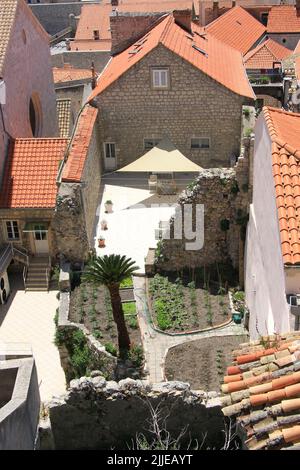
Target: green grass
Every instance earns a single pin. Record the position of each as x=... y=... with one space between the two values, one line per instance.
x=129 y=308
x=126 y=283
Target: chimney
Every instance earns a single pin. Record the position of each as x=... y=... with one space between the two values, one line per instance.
x=184 y=18
x=298 y=7
x=215 y=11
x=94 y=78
x=114 y=3
x=202 y=21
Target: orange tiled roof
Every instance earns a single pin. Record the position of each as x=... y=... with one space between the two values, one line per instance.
x=264 y=55
x=262 y=390
x=73 y=169
x=283 y=19
x=284 y=130
x=67 y=73
x=221 y=62
x=237 y=28
x=30 y=173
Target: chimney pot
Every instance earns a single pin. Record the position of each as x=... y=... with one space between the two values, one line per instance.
x=114 y=3
x=184 y=18
x=215 y=12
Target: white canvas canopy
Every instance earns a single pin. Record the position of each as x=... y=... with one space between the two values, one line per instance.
x=164 y=158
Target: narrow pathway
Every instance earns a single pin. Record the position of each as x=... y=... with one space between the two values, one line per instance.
x=156 y=345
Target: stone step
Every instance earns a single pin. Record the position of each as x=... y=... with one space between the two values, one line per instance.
x=36 y=289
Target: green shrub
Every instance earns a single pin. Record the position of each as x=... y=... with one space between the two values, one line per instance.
x=111 y=348
x=129 y=308
x=128 y=282
x=136 y=355
x=239 y=296
x=132 y=322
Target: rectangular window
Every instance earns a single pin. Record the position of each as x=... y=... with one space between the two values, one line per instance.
x=160 y=78
x=110 y=150
x=150 y=143
x=40 y=232
x=200 y=143
x=12 y=230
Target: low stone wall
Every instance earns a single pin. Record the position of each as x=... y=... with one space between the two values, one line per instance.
x=225 y=194
x=104 y=360
x=19 y=416
x=96 y=414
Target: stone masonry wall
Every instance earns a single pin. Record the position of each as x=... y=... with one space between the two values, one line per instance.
x=225 y=194
x=92 y=178
x=126 y=28
x=69 y=223
x=95 y=414
x=26 y=238
x=194 y=106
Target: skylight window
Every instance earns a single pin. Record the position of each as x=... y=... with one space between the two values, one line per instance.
x=200 y=50
x=202 y=35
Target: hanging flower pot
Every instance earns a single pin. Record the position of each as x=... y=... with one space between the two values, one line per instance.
x=101 y=242
x=108 y=207
x=103 y=224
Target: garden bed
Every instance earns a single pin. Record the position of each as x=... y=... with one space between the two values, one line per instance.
x=177 y=305
x=91 y=306
x=203 y=362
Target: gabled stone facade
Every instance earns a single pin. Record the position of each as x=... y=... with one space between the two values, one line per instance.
x=194 y=106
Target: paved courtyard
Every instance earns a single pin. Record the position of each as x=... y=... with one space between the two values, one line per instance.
x=132 y=225
x=29 y=318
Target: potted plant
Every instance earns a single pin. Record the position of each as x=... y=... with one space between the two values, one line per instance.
x=103 y=224
x=108 y=206
x=101 y=242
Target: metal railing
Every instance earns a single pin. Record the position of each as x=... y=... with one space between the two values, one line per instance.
x=25 y=270
x=6 y=257
x=48 y=273
x=21 y=254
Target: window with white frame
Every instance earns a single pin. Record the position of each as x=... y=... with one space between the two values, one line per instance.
x=160 y=78
x=200 y=143
x=12 y=230
x=150 y=143
x=110 y=150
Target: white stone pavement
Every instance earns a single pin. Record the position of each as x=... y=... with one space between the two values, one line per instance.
x=156 y=345
x=29 y=318
x=131 y=230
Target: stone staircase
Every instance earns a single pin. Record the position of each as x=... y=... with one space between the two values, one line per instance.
x=37 y=276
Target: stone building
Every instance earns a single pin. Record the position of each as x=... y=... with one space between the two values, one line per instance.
x=49 y=199
x=170 y=83
x=284 y=24
x=27 y=96
x=265 y=69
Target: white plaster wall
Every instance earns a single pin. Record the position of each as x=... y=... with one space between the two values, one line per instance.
x=265 y=277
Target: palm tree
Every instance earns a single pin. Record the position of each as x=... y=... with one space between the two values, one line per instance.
x=110 y=271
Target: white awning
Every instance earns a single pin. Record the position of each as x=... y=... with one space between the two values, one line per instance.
x=164 y=158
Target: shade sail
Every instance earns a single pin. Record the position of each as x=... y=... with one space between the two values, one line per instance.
x=164 y=158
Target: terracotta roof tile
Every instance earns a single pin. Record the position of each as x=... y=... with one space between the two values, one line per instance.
x=67 y=73
x=8 y=10
x=265 y=54
x=283 y=19
x=237 y=28
x=219 y=61
x=268 y=406
x=284 y=129
x=30 y=173
x=74 y=166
